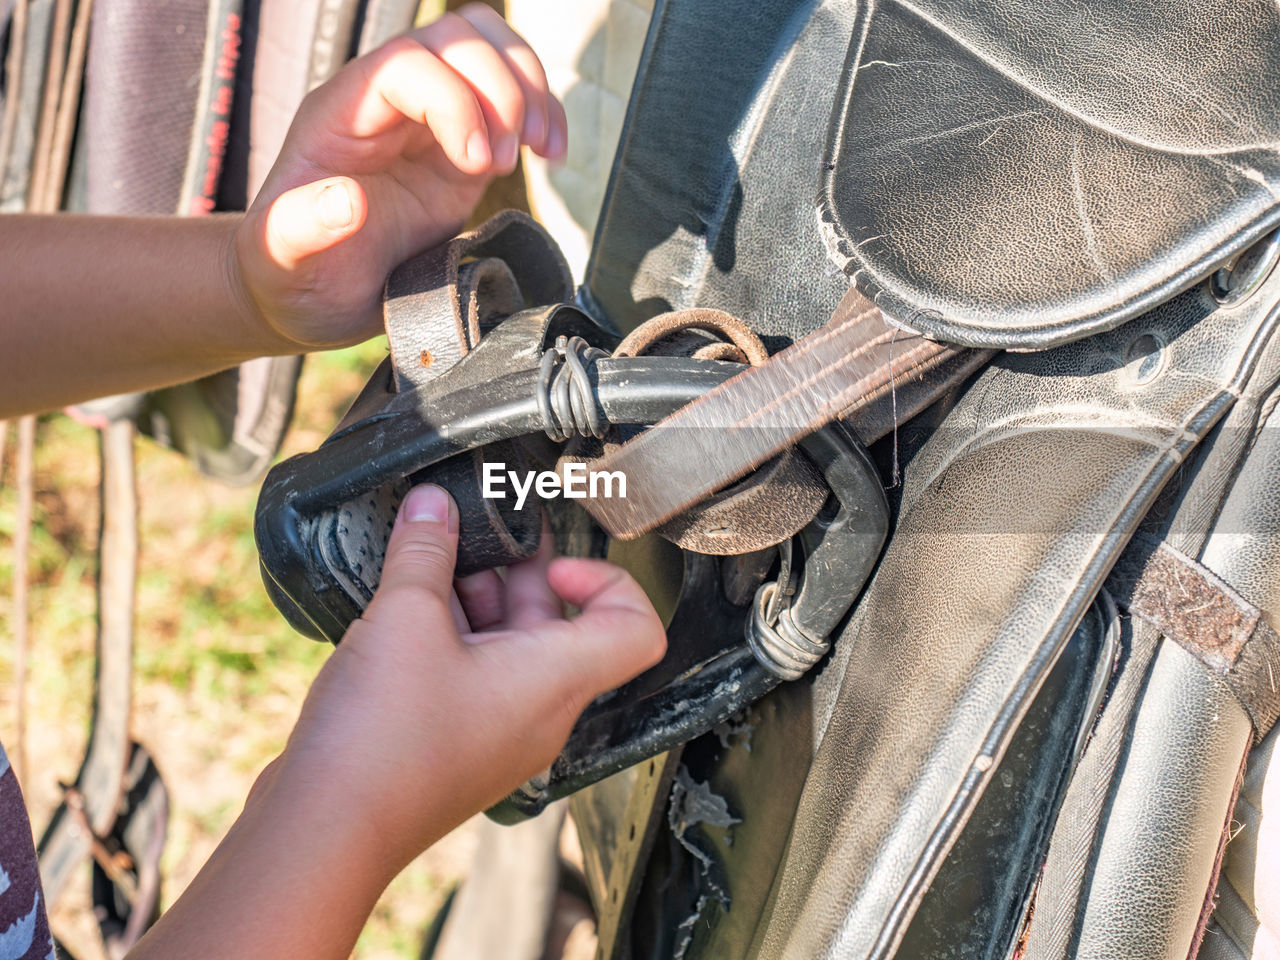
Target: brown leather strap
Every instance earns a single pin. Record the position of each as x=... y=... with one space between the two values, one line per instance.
x=776 y=500
x=435 y=303
x=434 y=307
x=851 y=364
x=1193 y=607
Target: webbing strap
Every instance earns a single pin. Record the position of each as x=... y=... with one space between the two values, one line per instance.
x=435 y=304
x=142 y=94
x=1200 y=612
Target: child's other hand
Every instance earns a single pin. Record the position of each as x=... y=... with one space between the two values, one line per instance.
x=445 y=696
x=385 y=160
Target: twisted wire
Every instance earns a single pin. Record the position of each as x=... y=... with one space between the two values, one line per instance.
x=566 y=399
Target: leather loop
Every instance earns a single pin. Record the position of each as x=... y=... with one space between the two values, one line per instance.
x=1192 y=606
x=435 y=304
x=773 y=502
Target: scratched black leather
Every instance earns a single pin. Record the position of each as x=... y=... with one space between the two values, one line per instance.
x=1004 y=173
x=1151 y=862
x=711 y=199
x=1018 y=504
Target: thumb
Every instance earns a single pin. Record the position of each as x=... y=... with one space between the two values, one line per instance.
x=423 y=547
x=312 y=218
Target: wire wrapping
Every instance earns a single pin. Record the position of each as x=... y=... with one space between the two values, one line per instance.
x=566 y=399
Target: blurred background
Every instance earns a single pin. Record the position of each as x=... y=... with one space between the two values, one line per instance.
x=219 y=676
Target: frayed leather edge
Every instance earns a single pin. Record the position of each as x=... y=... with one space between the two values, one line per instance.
x=1211 y=895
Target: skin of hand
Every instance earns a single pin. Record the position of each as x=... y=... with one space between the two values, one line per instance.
x=386 y=160
x=445 y=696
x=440 y=700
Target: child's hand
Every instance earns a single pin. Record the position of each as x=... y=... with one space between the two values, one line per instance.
x=440 y=701
x=385 y=160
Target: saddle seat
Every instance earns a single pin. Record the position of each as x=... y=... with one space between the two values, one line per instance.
x=1017 y=175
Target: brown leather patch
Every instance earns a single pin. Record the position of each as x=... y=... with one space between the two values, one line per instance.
x=1194 y=607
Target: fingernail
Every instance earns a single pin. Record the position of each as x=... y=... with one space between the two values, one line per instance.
x=478 y=148
x=427 y=503
x=555 y=142
x=508 y=147
x=334 y=203
x=535 y=128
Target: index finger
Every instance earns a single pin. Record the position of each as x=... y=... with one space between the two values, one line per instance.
x=529 y=598
x=524 y=63
x=402 y=80
x=617 y=635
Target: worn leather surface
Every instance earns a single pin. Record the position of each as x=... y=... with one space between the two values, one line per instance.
x=1015 y=174
x=1246 y=921
x=976 y=904
x=1004 y=174
x=434 y=304
x=1065 y=872
x=1011 y=514
x=1152 y=870
x=1195 y=608
x=759 y=769
x=712 y=194
x=1246 y=542
x=1133 y=863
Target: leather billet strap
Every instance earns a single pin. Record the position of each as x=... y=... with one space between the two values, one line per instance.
x=1201 y=613
x=436 y=303
x=848 y=368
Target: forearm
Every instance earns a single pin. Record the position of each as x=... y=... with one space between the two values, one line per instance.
x=294 y=878
x=94 y=306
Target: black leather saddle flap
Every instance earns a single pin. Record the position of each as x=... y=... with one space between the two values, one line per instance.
x=1019 y=174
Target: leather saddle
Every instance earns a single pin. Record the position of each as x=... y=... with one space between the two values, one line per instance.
x=1001 y=757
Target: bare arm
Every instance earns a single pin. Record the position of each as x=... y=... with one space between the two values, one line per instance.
x=385 y=160
x=443 y=696
x=93 y=306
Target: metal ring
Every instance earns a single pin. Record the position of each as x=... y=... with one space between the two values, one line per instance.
x=1229 y=289
x=639 y=340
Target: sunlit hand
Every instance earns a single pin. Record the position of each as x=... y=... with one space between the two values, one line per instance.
x=383 y=161
x=442 y=698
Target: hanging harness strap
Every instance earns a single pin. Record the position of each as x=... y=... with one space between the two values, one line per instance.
x=1196 y=609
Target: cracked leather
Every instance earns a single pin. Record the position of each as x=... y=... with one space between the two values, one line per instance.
x=1019 y=504
x=1012 y=174
x=1002 y=175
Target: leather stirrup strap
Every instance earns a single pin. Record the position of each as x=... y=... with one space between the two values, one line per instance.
x=435 y=304
x=1196 y=609
x=846 y=368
